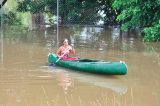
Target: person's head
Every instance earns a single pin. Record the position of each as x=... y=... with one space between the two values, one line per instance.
x=65 y=41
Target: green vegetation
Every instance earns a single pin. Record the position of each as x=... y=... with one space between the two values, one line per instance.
x=70 y=11
x=152 y=33
x=3 y=3
x=144 y=14
x=132 y=14
x=8 y=13
x=10 y=18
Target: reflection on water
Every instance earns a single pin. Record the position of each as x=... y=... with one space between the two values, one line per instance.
x=109 y=82
x=65 y=81
x=65 y=78
x=103 y=88
x=26 y=79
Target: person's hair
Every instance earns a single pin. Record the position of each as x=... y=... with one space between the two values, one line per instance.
x=64 y=40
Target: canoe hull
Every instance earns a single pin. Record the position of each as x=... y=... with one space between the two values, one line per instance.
x=92 y=66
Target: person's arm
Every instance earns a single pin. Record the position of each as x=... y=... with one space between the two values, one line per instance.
x=72 y=50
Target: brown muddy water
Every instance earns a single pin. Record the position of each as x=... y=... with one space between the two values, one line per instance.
x=27 y=80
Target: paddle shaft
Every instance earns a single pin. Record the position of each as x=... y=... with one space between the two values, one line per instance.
x=62 y=55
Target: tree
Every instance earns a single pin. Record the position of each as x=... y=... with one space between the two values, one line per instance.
x=144 y=14
x=3 y=2
x=73 y=11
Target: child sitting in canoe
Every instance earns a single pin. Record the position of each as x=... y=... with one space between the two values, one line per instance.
x=65 y=50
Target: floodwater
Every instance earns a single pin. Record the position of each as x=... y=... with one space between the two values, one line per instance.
x=27 y=80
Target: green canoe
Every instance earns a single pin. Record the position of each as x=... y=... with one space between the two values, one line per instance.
x=90 y=65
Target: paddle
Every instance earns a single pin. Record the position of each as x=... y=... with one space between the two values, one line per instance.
x=52 y=58
x=62 y=55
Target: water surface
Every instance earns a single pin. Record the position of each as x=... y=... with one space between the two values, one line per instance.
x=27 y=80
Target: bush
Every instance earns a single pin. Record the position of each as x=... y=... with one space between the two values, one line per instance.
x=10 y=18
x=152 y=33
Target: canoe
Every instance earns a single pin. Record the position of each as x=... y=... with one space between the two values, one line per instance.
x=91 y=65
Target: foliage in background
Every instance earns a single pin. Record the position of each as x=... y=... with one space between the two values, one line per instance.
x=8 y=12
x=110 y=13
x=10 y=18
x=3 y=3
x=152 y=33
x=144 y=14
x=36 y=6
x=73 y=11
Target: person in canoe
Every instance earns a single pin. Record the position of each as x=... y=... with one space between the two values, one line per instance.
x=65 y=50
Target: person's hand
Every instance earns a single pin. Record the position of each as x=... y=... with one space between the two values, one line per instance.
x=69 y=48
x=60 y=56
